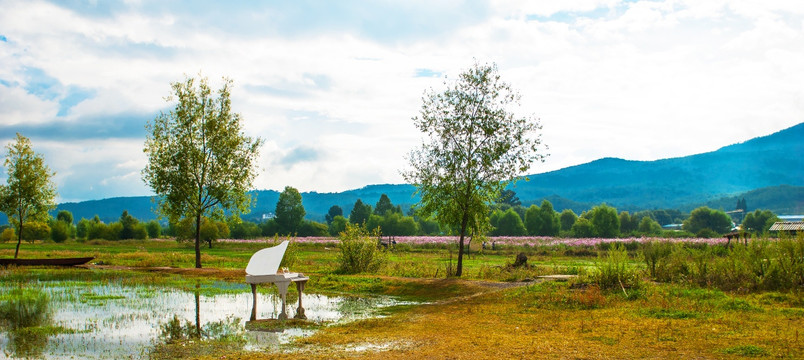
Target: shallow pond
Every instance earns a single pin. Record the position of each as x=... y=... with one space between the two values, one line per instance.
x=102 y=319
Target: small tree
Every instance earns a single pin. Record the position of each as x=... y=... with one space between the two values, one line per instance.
x=360 y=213
x=289 y=211
x=29 y=192
x=476 y=146
x=567 y=219
x=200 y=162
x=706 y=218
x=605 y=221
x=334 y=211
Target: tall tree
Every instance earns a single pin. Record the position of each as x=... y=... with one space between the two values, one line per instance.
x=384 y=205
x=706 y=218
x=360 y=213
x=476 y=146
x=200 y=162
x=29 y=192
x=334 y=211
x=289 y=211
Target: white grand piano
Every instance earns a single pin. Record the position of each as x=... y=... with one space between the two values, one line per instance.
x=263 y=268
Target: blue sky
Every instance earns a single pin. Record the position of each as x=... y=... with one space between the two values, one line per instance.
x=331 y=86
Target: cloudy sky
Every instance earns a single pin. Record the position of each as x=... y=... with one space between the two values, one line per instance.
x=331 y=86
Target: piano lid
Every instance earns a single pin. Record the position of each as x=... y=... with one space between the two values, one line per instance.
x=266 y=261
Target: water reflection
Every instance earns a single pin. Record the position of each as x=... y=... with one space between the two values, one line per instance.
x=25 y=314
x=108 y=320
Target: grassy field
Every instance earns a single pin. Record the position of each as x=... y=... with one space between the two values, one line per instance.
x=493 y=311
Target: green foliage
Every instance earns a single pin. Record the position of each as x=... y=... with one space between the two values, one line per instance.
x=476 y=146
x=289 y=211
x=605 y=221
x=542 y=220
x=334 y=211
x=211 y=230
x=154 y=229
x=613 y=270
x=360 y=213
x=36 y=231
x=359 y=251
x=25 y=307
x=384 y=206
x=217 y=161
x=29 y=192
x=7 y=235
x=65 y=216
x=567 y=219
x=337 y=225
x=244 y=230
x=759 y=221
x=82 y=229
x=706 y=218
x=312 y=228
x=654 y=253
x=649 y=226
x=129 y=223
x=59 y=231
x=583 y=228
x=510 y=224
x=628 y=223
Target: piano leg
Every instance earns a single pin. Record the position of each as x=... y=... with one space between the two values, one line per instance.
x=283 y=292
x=254 y=302
x=300 y=309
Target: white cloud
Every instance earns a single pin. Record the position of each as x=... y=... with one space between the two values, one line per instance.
x=633 y=79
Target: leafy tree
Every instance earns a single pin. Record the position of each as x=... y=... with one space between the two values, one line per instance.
x=583 y=228
x=649 y=226
x=289 y=211
x=334 y=211
x=510 y=224
x=628 y=222
x=200 y=162
x=59 y=231
x=82 y=229
x=211 y=230
x=29 y=192
x=476 y=147
x=360 y=213
x=269 y=228
x=546 y=222
x=338 y=225
x=129 y=223
x=154 y=229
x=759 y=221
x=36 y=230
x=706 y=218
x=244 y=230
x=7 y=235
x=605 y=221
x=65 y=216
x=509 y=198
x=567 y=219
x=313 y=228
x=384 y=206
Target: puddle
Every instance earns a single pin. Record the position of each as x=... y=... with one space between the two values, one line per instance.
x=106 y=320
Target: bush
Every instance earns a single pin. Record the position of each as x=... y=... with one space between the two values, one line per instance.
x=360 y=251
x=614 y=272
x=59 y=231
x=8 y=235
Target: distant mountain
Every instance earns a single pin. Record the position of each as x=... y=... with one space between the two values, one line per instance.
x=768 y=171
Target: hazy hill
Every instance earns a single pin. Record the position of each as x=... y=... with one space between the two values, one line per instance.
x=768 y=171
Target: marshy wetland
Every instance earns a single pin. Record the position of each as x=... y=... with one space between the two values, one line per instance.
x=144 y=301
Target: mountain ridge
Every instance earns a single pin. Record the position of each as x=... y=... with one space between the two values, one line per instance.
x=767 y=164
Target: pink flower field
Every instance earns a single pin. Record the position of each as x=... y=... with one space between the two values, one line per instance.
x=500 y=240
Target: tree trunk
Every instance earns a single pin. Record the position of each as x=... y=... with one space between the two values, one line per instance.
x=464 y=221
x=19 y=240
x=198 y=241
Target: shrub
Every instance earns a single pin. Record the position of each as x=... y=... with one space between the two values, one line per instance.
x=360 y=251
x=614 y=272
x=8 y=235
x=654 y=252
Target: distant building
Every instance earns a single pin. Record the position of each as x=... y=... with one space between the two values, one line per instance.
x=789 y=227
x=268 y=216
